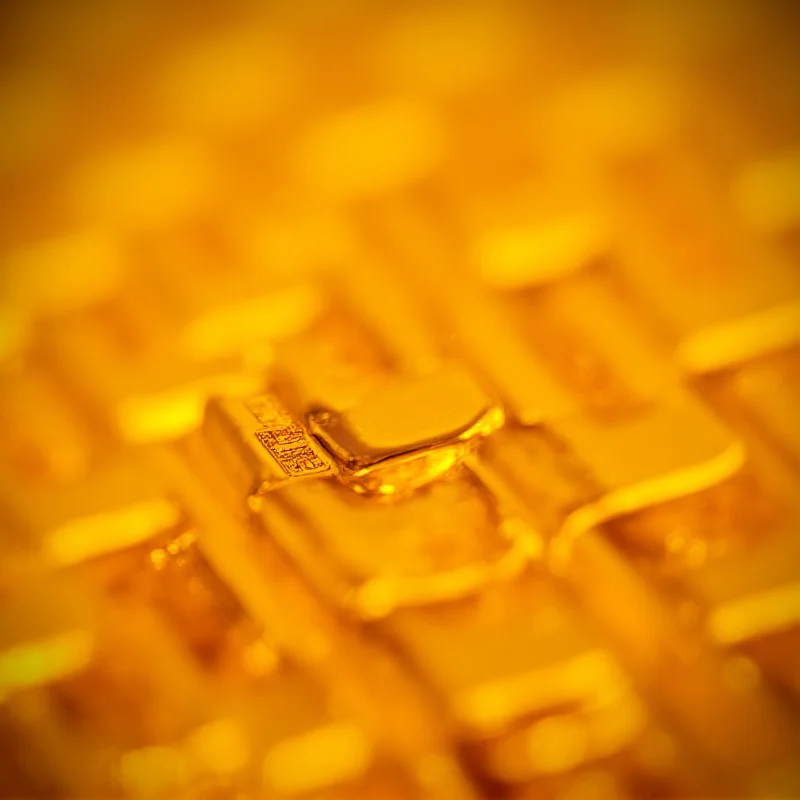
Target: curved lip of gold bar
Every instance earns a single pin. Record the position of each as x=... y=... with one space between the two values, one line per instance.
x=332 y=430
x=377 y=598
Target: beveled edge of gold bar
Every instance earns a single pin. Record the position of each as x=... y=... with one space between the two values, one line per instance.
x=339 y=437
x=729 y=344
x=348 y=435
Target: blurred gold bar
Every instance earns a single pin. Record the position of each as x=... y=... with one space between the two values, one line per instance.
x=676 y=448
x=436 y=544
x=551 y=673
x=118 y=505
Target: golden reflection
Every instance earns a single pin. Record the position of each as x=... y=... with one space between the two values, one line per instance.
x=399 y=400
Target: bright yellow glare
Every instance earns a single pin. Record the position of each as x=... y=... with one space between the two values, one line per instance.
x=45 y=660
x=370 y=150
x=334 y=753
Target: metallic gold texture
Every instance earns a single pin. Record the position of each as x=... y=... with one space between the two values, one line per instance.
x=399 y=401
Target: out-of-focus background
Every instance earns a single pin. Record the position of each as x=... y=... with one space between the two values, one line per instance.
x=399 y=399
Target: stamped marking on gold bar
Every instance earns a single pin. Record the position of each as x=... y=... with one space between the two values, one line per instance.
x=285 y=440
x=260 y=444
x=288 y=446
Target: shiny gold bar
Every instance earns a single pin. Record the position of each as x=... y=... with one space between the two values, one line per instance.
x=69 y=650
x=47 y=633
x=592 y=342
x=518 y=657
x=676 y=448
x=48 y=440
x=496 y=352
x=118 y=505
x=407 y=433
x=765 y=194
x=141 y=392
x=204 y=613
x=391 y=301
x=768 y=392
x=718 y=300
x=370 y=556
x=751 y=602
x=60 y=275
x=333 y=362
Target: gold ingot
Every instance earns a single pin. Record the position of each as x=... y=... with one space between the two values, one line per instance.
x=497 y=352
x=592 y=342
x=717 y=297
x=751 y=602
x=144 y=187
x=46 y=632
x=330 y=755
x=118 y=505
x=334 y=361
x=63 y=274
x=47 y=440
x=145 y=701
x=370 y=556
x=427 y=423
x=769 y=390
x=754 y=594
x=204 y=612
x=232 y=327
x=143 y=391
x=767 y=194
x=369 y=151
x=290 y=724
x=673 y=449
x=512 y=258
x=512 y=658
x=614 y=114
x=227 y=83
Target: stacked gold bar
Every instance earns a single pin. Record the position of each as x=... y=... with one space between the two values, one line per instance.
x=399 y=401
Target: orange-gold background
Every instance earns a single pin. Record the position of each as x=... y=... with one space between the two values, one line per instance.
x=593 y=208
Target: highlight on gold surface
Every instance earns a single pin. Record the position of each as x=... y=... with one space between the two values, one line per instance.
x=399 y=400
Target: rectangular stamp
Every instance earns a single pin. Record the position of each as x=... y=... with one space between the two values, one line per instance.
x=291 y=447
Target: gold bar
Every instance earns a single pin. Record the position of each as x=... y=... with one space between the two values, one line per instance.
x=333 y=362
x=766 y=194
x=768 y=391
x=143 y=187
x=47 y=632
x=204 y=613
x=47 y=439
x=518 y=657
x=371 y=556
x=675 y=448
x=406 y=433
x=754 y=594
x=751 y=602
x=145 y=701
x=61 y=275
x=477 y=322
x=718 y=717
x=369 y=150
x=118 y=505
x=592 y=343
x=719 y=297
x=142 y=392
